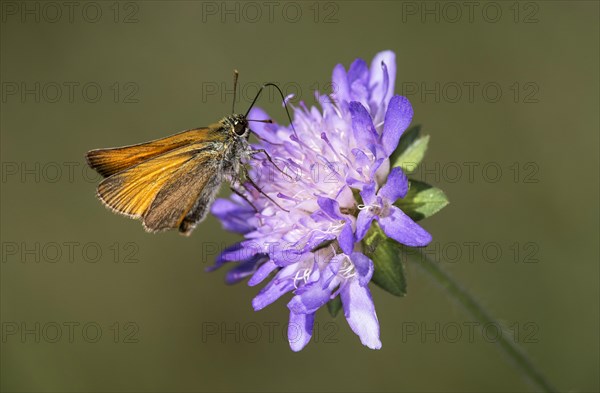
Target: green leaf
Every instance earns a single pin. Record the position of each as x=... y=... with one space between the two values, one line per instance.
x=356 y=194
x=422 y=200
x=412 y=157
x=410 y=151
x=385 y=254
x=408 y=138
x=334 y=306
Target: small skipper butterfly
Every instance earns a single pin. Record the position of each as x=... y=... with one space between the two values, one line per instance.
x=170 y=183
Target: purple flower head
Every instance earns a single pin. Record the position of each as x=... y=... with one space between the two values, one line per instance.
x=303 y=230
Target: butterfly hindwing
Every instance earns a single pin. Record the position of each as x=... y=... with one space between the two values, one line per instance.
x=182 y=202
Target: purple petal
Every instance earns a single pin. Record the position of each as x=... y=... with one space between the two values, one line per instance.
x=333 y=268
x=244 y=269
x=360 y=313
x=265 y=131
x=354 y=183
x=358 y=72
x=403 y=229
x=312 y=296
x=285 y=254
x=316 y=238
x=346 y=238
x=345 y=196
x=276 y=288
x=358 y=80
x=364 y=267
x=309 y=298
x=341 y=89
x=362 y=127
x=396 y=185
x=362 y=160
x=233 y=216
x=263 y=272
x=380 y=94
x=376 y=165
x=368 y=193
x=363 y=223
x=232 y=251
x=240 y=251
x=360 y=93
x=397 y=119
x=331 y=207
x=300 y=330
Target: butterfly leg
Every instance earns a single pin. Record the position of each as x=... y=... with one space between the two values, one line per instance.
x=236 y=180
x=254 y=152
x=249 y=179
x=241 y=195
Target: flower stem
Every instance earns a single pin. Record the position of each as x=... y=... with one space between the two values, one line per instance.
x=508 y=346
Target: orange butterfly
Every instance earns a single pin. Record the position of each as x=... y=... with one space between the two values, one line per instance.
x=171 y=182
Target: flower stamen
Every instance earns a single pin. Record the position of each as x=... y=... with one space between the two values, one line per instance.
x=347 y=270
x=301 y=275
x=374 y=207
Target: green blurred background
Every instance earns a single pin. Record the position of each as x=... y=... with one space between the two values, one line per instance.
x=166 y=325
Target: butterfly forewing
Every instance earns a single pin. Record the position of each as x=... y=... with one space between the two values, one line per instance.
x=131 y=191
x=107 y=162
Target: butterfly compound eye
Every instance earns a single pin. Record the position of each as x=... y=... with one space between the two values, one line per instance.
x=240 y=128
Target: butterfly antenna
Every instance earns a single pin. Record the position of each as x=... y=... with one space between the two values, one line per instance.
x=235 y=80
x=282 y=100
x=269 y=121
